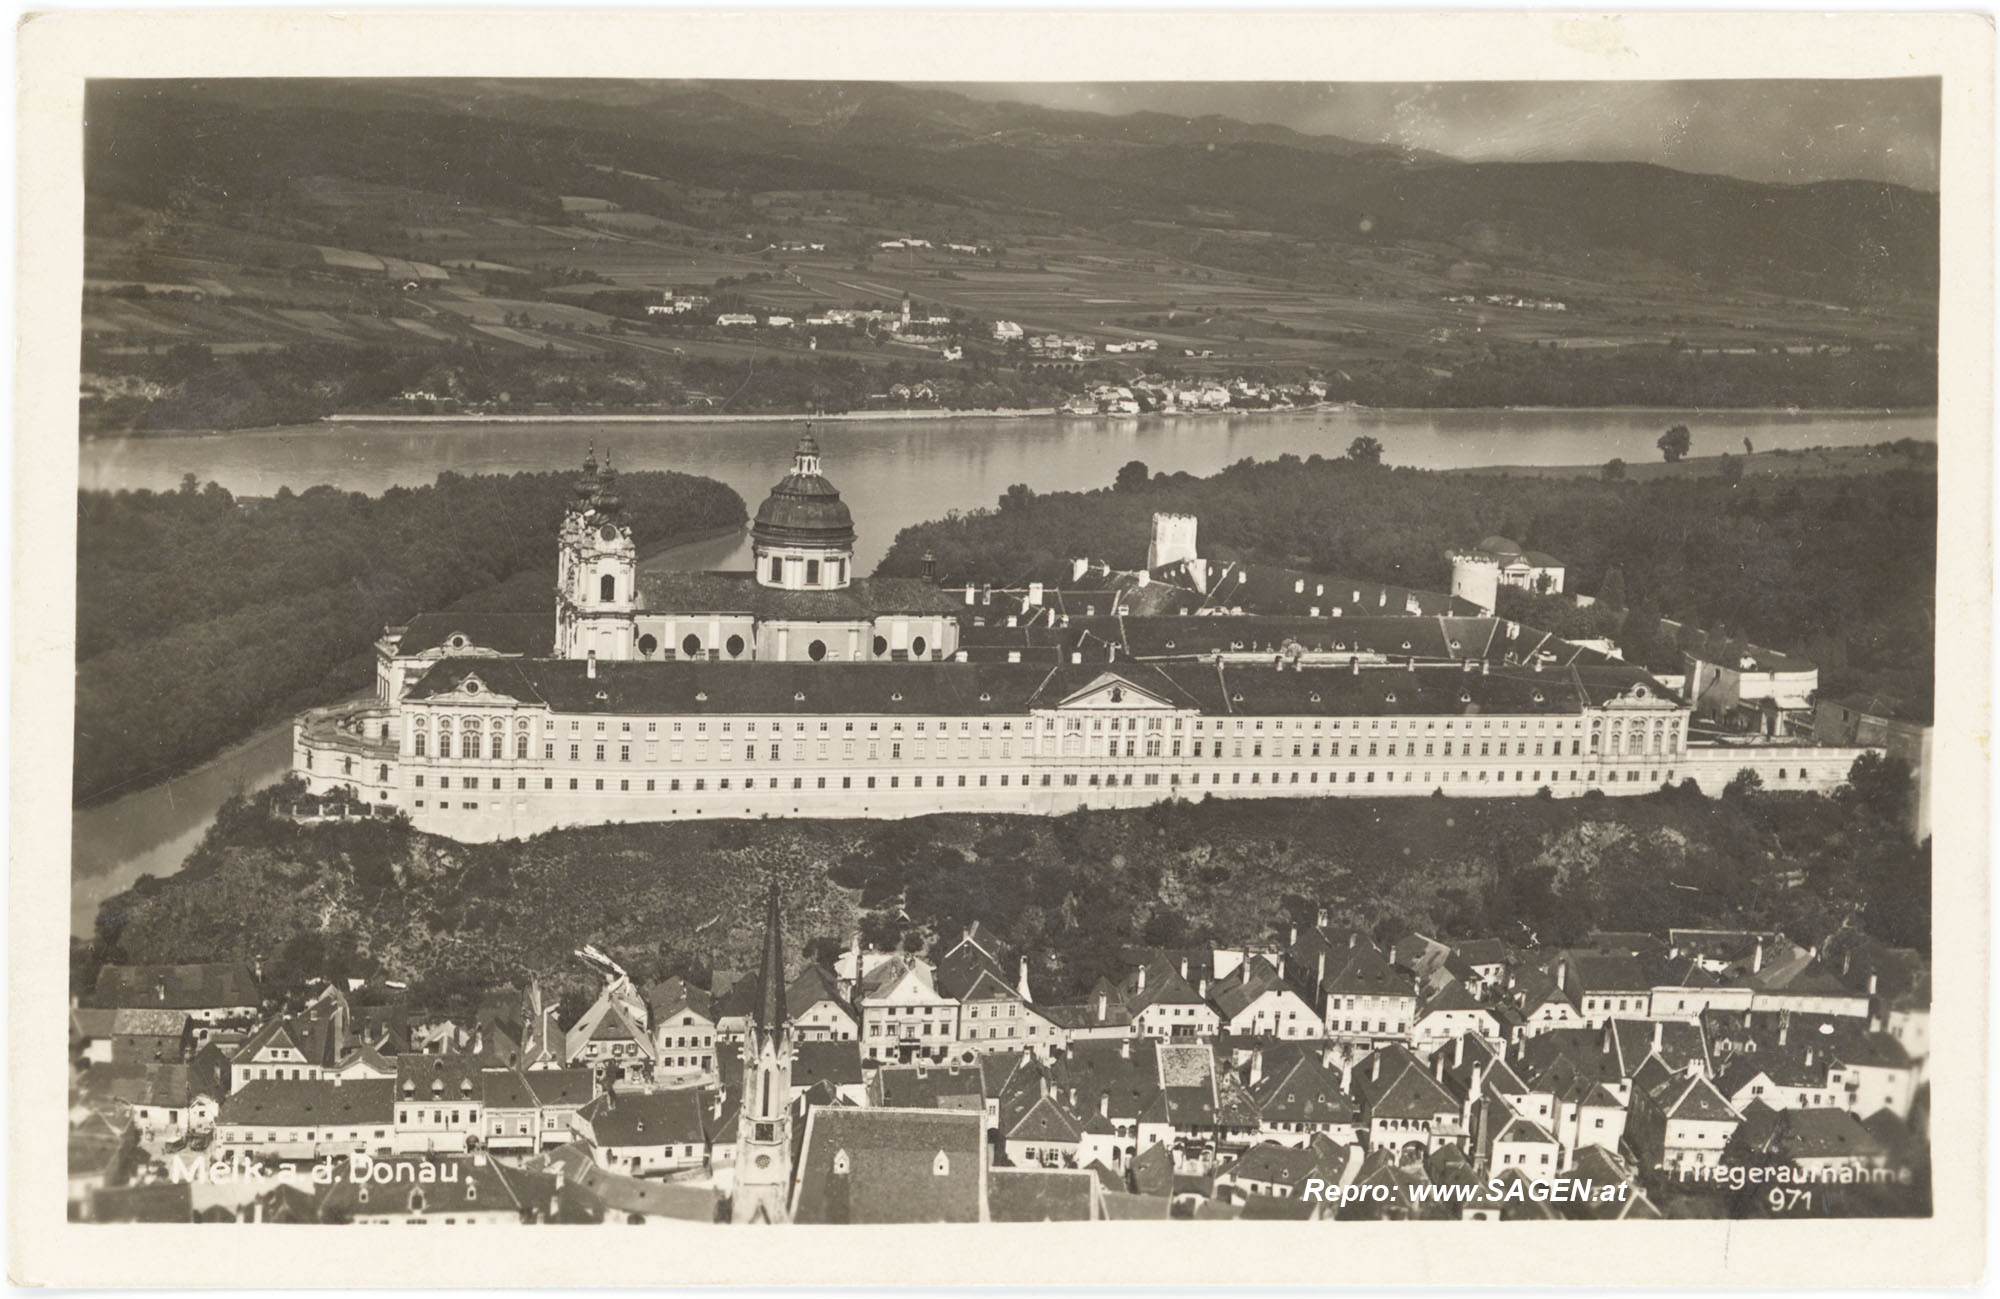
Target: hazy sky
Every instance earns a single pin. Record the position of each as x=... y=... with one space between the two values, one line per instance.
x=1792 y=131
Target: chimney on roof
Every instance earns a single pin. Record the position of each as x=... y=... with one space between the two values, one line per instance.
x=1023 y=989
x=1846 y=962
x=970 y=593
x=1375 y=1068
x=1484 y=667
x=1352 y=938
x=1354 y=665
x=1659 y=1034
x=1809 y=1057
x=1203 y=988
x=1125 y=1048
x=1077 y=568
x=1034 y=595
x=930 y=566
x=1562 y=975
x=590 y=665
x=1319 y=918
x=1142 y=979
x=1871 y=984
x=1294 y=931
x=1437 y=1066
x=1458 y=1052
x=1103 y=1007
x=1757 y=957
x=1184 y=967
x=1322 y=968
x=1104 y=1105
x=1784 y=1026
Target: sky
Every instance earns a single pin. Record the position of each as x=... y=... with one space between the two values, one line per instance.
x=1786 y=131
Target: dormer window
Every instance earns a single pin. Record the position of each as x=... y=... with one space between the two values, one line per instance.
x=1389 y=698
x=701 y=696
x=985 y=698
x=458 y=640
x=1314 y=696
x=841 y=1165
x=798 y=696
x=1117 y=695
x=896 y=697
x=941 y=1166
x=472 y=685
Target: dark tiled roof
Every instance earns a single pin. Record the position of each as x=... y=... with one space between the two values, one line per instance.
x=532 y=635
x=892 y=1171
x=1045 y=1122
x=1037 y=1195
x=836 y=1063
x=931 y=1087
x=646 y=1118
x=955 y=689
x=1597 y=975
x=299 y=1104
x=177 y=987
x=1366 y=973
x=677 y=591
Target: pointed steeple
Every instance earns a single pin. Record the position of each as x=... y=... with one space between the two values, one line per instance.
x=771 y=1013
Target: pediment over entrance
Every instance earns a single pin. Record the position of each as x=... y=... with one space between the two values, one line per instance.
x=1114 y=690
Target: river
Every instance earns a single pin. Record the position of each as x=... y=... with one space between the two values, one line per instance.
x=892 y=474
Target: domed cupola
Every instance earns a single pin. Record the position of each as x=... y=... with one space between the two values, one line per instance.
x=803 y=535
x=608 y=501
x=585 y=487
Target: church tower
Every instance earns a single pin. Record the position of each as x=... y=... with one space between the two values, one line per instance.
x=597 y=570
x=764 y=1119
x=803 y=535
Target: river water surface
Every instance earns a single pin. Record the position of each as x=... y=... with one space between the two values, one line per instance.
x=891 y=473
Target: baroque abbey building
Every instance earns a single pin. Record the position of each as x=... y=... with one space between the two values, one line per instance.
x=800 y=689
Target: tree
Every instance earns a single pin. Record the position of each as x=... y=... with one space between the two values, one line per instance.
x=1674 y=443
x=1132 y=477
x=1365 y=450
x=1732 y=469
x=1612 y=594
x=1742 y=783
x=1614 y=470
x=1882 y=784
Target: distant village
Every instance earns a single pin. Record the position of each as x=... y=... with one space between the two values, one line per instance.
x=944 y=337
x=1315 y=1072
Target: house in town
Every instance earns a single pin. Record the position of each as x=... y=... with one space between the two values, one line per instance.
x=647 y=1132
x=529 y=1110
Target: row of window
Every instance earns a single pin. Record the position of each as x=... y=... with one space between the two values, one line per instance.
x=1097 y=723
x=699 y=784
x=1073 y=746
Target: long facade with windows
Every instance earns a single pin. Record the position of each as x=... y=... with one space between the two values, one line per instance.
x=796 y=690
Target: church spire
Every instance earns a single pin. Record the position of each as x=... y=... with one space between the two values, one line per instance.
x=771 y=1012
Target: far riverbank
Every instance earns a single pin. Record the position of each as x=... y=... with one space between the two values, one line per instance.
x=1816 y=462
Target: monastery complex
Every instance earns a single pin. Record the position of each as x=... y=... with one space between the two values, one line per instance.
x=801 y=689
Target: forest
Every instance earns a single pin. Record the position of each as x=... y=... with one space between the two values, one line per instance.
x=354 y=900
x=201 y=617
x=1840 y=569
x=294 y=385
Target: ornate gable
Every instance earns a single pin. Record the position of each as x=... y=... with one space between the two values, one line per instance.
x=1113 y=690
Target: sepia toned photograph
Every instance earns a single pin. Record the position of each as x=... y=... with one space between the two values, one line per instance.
x=1359 y=656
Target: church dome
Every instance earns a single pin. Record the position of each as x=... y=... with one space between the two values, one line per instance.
x=804 y=509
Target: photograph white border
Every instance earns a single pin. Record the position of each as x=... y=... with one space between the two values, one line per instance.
x=59 y=52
